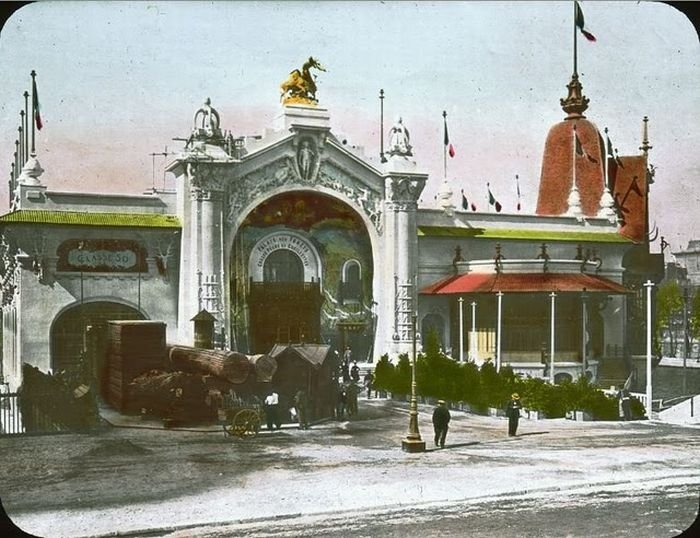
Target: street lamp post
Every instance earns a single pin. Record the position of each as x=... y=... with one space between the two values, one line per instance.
x=461 y=329
x=500 y=330
x=553 y=297
x=686 y=343
x=584 y=331
x=472 y=340
x=413 y=441
x=649 y=285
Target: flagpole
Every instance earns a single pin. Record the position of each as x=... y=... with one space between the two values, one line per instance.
x=573 y=154
x=444 y=146
x=575 y=51
x=607 y=143
x=27 y=119
x=381 y=126
x=517 y=186
x=33 y=73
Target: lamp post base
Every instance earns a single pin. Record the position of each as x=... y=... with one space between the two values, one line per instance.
x=413 y=445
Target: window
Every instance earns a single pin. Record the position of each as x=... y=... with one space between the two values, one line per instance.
x=283 y=266
x=351 y=287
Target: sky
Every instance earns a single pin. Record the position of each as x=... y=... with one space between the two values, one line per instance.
x=118 y=81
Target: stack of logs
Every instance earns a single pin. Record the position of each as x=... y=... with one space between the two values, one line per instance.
x=193 y=375
x=135 y=347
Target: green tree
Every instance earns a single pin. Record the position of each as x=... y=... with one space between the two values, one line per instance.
x=669 y=305
x=694 y=316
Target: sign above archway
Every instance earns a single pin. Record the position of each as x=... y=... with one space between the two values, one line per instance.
x=287 y=240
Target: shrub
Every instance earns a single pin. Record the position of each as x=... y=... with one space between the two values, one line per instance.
x=384 y=374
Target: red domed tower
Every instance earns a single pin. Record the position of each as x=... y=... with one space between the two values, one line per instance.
x=574 y=148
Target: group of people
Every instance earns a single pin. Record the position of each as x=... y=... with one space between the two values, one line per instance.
x=441 y=419
x=299 y=411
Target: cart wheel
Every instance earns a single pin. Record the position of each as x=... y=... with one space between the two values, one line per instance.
x=245 y=424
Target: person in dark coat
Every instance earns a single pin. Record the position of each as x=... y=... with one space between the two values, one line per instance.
x=513 y=413
x=341 y=402
x=302 y=406
x=441 y=420
x=355 y=373
x=626 y=403
x=369 y=380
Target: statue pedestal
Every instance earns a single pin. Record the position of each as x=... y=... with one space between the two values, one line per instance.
x=294 y=116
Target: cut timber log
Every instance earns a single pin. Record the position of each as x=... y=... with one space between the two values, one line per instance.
x=265 y=367
x=230 y=365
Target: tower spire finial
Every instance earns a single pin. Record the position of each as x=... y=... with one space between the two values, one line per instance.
x=575 y=103
x=645 y=147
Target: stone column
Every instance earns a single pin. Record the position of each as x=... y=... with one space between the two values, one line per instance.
x=402 y=190
x=205 y=223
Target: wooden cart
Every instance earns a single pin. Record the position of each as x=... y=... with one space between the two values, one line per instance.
x=240 y=417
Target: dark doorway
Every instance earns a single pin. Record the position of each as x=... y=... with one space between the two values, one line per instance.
x=83 y=330
x=283 y=308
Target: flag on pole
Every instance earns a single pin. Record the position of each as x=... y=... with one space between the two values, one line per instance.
x=493 y=201
x=580 y=151
x=579 y=147
x=617 y=159
x=35 y=106
x=628 y=383
x=450 y=148
x=581 y=23
x=465 y=202
x=609 y=147
x=517 y=188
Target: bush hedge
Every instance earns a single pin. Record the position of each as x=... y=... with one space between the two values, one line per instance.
x=438 y=376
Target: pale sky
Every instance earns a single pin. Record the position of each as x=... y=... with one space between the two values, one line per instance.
x=119 y=80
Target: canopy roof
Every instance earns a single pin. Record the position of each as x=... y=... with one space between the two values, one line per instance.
x=524 y=283
x=312 y=353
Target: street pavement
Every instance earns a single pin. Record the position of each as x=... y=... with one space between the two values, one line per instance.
x=350 y=478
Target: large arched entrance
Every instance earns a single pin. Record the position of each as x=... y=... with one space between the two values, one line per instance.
x=301 y=263
x=80 y=331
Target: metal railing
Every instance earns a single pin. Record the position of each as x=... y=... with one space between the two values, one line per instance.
x=10 y=414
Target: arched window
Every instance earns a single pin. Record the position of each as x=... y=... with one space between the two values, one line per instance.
x=283 y=266
x=351 y=290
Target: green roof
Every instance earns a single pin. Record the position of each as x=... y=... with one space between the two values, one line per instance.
x=534 y=235
x=80 y=218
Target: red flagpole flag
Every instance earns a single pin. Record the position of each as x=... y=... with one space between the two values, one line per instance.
x=450 y=147
x=35 y=106
x=581 y=23
x=493 y=201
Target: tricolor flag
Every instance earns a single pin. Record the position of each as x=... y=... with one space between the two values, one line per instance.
x=493 y=201
x=581 y=23
x=449 y=147
x=35 y=106
x=628 y=383
x=580 y=151
x=579 y=147
x=617 y=159
x=609 y=147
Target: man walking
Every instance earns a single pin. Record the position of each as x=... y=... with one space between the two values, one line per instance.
x=513 y=413
x=441 y=419
x=271 y=410
x=302 y=405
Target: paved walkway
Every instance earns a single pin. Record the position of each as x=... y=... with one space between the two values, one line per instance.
x=356 y=465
